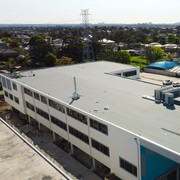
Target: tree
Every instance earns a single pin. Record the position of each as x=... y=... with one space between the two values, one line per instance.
x=39 y=49
x=72 y=47
x=123 y=57
x=10 y=64
x=50 y=59
x=172 y=38
x=154 y=53
x=108 y=55
x=65 y=61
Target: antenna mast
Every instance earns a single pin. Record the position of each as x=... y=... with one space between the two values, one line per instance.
x=88 y=54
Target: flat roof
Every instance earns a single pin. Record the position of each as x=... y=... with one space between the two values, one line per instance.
x=19 y=161
x=123 y=97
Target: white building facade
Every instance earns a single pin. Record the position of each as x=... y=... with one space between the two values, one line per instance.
x=105 y=122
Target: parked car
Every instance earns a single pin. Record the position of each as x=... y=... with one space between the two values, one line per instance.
x=176 y=84
x=167 y=82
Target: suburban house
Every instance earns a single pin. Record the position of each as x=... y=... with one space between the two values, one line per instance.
x=7 y=53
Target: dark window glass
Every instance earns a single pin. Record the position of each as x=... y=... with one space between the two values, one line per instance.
x=6 y=94
x=11 y=96
x=16 y=99
x=56 y=106
x=99 y=126
x=79 y=135
x=128 y=166
x=43 y=99
x=36 y=96
x=130 y=73
x=58 y=123
x=77 y=116
x=100 y=147
x=42 y=113
x=27 y=91
x=14 y=86
x=29 y=106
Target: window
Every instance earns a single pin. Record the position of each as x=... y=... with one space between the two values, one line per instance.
x=8 y=82
x=42 y=113
x=100 y=147
x=56 y=106
x=99 y=126
x=6 y=94
x=128 y=166
x=11 y=96
x=36 y=96
x=43 y=99
x=58 y=123
x=79 y=135
x=130 y=73
x=4 y=82
x=77 y=116
x=16 y=99
x=29 y=106
x=14 y=86
x=27 y=91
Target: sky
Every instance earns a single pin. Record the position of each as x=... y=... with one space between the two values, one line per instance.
x=101 y=11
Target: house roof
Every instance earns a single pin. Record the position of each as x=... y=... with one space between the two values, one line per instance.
x=7 y=51
x=163 y=65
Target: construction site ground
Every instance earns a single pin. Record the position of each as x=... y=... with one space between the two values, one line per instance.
x=20 y=161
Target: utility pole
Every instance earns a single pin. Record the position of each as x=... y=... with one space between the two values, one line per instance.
x=88 y=54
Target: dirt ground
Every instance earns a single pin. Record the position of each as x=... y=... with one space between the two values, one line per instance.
x=19 y=161
x=43 y=140
x=3 y=106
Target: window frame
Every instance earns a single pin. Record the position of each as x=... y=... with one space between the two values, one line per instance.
x=127 y=166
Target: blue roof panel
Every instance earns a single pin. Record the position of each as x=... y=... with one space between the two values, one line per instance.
x=163 y=65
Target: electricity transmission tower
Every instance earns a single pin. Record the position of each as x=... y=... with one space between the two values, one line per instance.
x=88 y=54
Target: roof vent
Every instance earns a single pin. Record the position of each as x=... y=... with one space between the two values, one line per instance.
x=75 y=95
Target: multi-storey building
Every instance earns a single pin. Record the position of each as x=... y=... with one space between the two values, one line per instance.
x=130 y=126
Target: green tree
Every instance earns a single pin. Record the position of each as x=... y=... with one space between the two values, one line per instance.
x=154 y=53
x=123 y=56
x=169 y=56
x=13 y=44
x=172 y=38
x=108 y=55
x=64 y=61
x=72 y=47
x=10 y=64
x=39 y=49
x=50 y=59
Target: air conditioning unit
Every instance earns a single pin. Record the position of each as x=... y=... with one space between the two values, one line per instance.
x=158 y=92
x=169 y=99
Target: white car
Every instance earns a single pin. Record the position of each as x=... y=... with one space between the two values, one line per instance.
x=176 y=84
x=167 y=82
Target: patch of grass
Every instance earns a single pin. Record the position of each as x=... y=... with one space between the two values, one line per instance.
x=1 y=92
x=138 y=64
x=138 y=59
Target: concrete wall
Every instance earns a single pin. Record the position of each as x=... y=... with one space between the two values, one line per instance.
x=123 y=144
